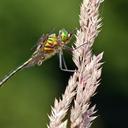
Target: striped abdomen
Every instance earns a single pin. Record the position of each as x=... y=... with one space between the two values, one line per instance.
x=50 y=44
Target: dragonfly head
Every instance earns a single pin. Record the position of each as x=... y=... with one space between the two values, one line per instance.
x=64 y=35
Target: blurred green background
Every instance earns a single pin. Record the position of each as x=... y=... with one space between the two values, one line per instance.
x=26 y=99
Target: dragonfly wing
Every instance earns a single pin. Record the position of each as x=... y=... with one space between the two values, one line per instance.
x=13 y=72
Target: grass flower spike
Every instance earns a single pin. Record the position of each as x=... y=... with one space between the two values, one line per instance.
x=84 y=82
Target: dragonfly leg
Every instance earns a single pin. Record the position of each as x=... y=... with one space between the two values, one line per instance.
x=73 y=49
x=62 y=62
x=68 y=48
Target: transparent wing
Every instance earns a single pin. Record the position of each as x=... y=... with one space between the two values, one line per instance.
x=9 y=75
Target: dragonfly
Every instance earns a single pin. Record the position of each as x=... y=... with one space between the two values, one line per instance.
x=47 y=46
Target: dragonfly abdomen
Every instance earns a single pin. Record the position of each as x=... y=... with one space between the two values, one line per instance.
x=50 y=47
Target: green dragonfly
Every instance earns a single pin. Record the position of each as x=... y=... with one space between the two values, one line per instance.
x=48 y=45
